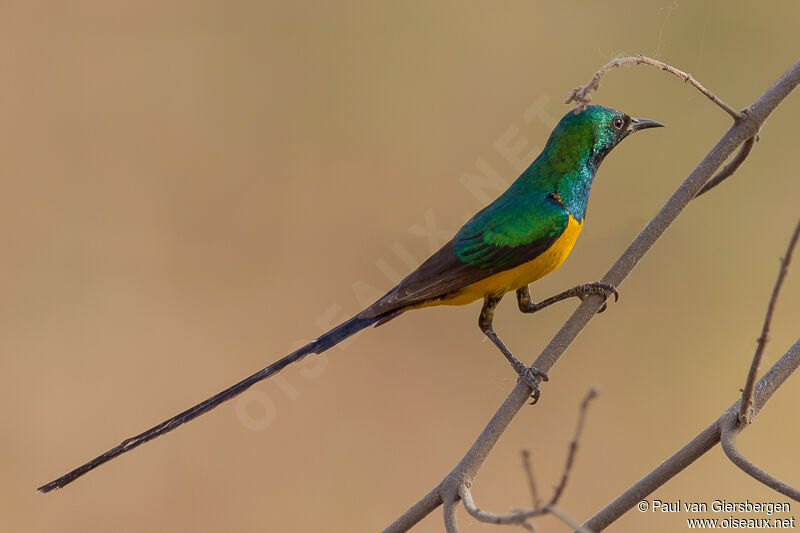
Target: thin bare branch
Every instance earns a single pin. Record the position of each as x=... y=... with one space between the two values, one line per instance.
x=514 y=517
x=472 y=461
x=746 y=409
x=728 y=170
x=526 y=466
x=564 y=517
x=573 y=446
x=582 y=95
x=730 y=428
x=707 y=439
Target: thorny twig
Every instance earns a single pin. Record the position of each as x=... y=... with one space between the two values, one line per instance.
x=731 y=426
x=573 y=446
x=582 y=95
x=746 y=408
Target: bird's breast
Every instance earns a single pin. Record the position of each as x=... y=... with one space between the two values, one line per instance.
x=522 y=275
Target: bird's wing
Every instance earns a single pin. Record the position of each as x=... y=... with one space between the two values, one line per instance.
x=505 y=234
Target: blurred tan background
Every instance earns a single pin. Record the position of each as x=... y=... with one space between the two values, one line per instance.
x=190 y=189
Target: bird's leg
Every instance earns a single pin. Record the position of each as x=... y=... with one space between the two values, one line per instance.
x=530 y=375
x=526 y=305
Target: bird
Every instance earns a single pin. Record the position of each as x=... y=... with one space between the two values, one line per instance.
x=520 y=237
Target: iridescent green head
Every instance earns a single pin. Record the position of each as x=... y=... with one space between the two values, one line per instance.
x=576 y=148
x=590 y=134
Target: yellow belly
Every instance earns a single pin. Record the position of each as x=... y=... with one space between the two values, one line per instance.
x=520 y=276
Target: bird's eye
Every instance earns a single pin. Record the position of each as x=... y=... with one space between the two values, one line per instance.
x=618 y=123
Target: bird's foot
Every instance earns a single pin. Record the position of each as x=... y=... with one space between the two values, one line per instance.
x=532 y=376
x=598 y=287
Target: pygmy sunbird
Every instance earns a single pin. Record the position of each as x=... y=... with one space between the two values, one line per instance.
x=523 y=235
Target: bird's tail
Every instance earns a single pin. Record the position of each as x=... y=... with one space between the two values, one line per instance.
x=324 y=342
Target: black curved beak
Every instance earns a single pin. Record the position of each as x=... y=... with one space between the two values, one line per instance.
x=643 y=123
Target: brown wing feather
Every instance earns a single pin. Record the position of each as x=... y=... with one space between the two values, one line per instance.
x=441 y=273
x=444 y=273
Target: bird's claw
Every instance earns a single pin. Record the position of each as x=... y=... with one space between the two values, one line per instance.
x=598 y=287
x=532 y=376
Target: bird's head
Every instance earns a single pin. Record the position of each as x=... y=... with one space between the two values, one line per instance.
x=591 y=134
